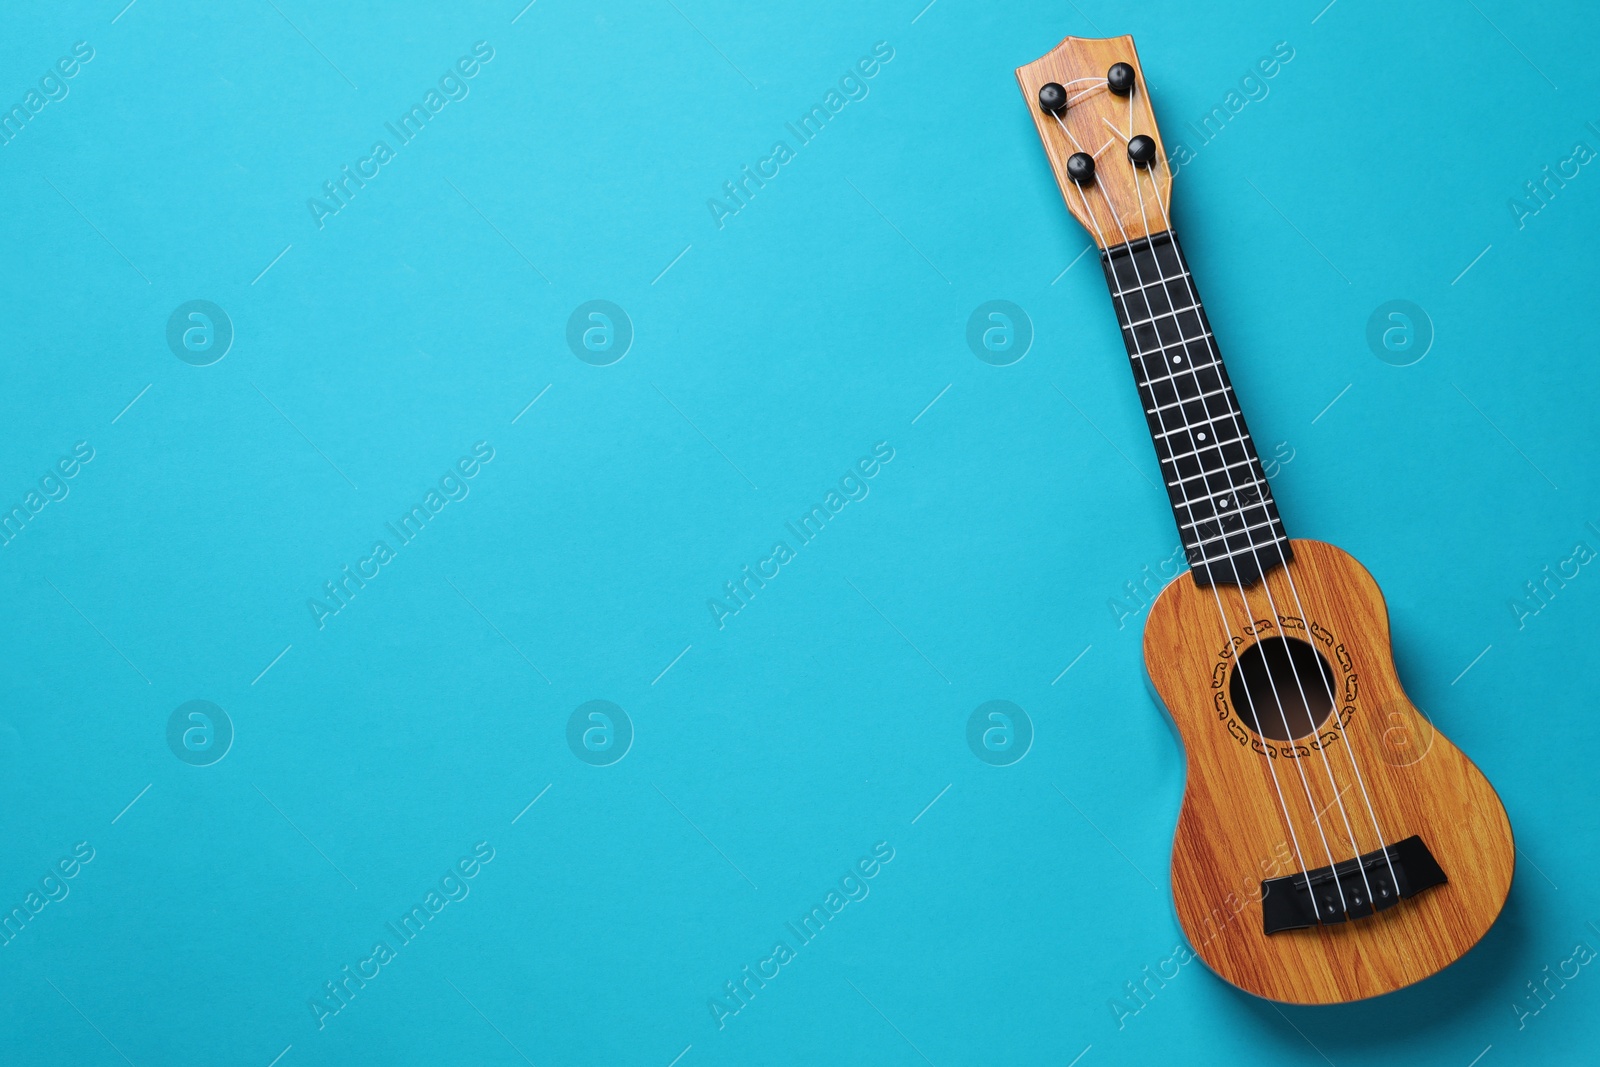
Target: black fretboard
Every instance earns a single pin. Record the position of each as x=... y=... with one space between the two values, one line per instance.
x=1223 y=506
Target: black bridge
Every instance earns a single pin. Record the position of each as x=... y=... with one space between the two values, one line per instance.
x=1289 y=903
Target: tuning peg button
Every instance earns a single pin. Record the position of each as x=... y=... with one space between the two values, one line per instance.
x=1052 y=96
x=1080 y=167
x=1142 y=150
x=1119 y=79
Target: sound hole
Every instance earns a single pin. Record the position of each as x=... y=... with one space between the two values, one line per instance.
x=1281 y=688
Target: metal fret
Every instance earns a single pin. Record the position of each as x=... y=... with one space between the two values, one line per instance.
x=1222 y=517
x=1181 y=276
x=1217 y=442
x=1235 y=533
x=1193 y=386
x=1251 y=549
x=1248 y=461
x=1208 y=446
x=1224 y=512
x=1161 y=315
x=1241 y=562
x=1225 y=390
x=1205 y=335
x=1191 y=368
x=1233 y=414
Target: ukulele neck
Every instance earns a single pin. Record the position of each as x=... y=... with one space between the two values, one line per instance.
x=1226 y=517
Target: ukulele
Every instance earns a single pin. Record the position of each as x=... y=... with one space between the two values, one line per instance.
x=1332 y=844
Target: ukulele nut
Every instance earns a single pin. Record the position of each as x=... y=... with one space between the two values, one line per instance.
x=1053 y=97
x=1119 y=79
x=1080 y=167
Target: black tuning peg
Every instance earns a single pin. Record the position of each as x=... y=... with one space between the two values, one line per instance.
x=1142 y=150
x=1119 y=79
x=1052 y=96
x=1080 y=167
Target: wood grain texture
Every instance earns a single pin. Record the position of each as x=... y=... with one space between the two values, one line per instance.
x=1232 y=830
x=1123 y=203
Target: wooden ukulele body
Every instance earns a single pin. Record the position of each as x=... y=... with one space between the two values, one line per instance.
x=1332 y=845
x=1232 y=832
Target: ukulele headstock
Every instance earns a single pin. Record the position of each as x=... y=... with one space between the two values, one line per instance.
x=1089 y=100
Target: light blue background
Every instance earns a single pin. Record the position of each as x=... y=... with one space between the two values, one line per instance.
x=825 y=717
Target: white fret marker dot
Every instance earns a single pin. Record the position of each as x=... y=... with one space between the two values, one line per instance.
x=1223 y=502
x=1177 y=359
x=1200 y=437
